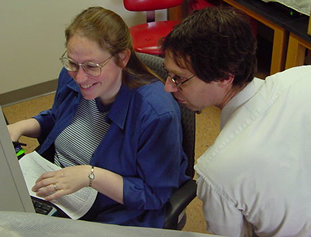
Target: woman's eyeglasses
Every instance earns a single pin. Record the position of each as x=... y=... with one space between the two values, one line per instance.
x=90 y=68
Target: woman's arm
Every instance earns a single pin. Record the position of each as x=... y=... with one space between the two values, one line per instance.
x=159 y=164
x=28 y=127
x=44 y=121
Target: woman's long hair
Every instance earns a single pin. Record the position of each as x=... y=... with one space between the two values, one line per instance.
x=108 y=29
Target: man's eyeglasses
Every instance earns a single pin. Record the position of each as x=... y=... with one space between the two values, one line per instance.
x=90 y=68
x=176 y=79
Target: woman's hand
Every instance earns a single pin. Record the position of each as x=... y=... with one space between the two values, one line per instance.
x=55 y=184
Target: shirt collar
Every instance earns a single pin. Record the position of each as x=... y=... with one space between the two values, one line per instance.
x=240 y=99
x=73 y=86
x=120 y=107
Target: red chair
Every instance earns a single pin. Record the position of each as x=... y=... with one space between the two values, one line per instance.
x=146 y=36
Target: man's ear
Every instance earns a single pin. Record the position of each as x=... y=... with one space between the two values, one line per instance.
x=226 y=82
x=124 y=57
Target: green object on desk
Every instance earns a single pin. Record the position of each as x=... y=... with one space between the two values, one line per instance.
x=20 y=152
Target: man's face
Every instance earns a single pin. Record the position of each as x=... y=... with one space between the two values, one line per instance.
x=194 y=93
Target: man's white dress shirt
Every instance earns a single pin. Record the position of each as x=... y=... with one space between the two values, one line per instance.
x=257 y=174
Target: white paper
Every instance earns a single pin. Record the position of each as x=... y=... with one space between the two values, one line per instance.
x=75 y=205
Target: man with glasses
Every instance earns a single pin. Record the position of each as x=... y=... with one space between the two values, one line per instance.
x=255 y=178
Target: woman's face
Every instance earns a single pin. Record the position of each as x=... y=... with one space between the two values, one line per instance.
x=107 y=84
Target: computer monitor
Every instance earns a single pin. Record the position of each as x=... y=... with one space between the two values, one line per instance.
x=14 y=195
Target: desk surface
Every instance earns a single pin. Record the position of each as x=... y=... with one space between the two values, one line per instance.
x=19 y=224
x=297 y=24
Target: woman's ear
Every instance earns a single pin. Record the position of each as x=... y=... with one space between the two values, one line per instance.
x=124 y=57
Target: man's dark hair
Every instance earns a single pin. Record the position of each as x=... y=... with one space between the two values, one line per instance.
x=214 y=43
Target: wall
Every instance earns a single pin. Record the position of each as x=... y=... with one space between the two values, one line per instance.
x=32 y=37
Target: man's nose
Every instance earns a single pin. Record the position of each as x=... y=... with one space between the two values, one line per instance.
x=170 y=85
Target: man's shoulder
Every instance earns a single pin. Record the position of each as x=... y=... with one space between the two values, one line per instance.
x=300 y=75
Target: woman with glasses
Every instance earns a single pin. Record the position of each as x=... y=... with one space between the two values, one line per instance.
x=112 y=127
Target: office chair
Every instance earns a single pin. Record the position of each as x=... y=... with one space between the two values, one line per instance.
x=175 y=217
x=146 y=36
